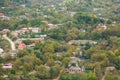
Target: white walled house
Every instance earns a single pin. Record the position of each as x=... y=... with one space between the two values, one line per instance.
x=7 y=66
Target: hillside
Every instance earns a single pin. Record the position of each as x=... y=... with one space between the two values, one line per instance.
x=60 y=39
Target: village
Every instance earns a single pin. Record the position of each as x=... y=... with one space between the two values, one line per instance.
x=59 y=40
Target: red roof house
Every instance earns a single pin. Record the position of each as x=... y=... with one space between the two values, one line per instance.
x=42 y=40
x=5 y=31
x=21 y=46
x=8 y=65
x=2 y=15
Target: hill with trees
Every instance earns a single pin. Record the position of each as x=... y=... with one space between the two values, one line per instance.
x=60 y=39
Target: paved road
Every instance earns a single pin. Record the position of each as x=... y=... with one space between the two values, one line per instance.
x=10 y=41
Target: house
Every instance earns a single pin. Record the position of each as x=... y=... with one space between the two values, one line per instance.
x=60 y=53
x=7 y=66
x=18 y=42
x=82 y=42
x=31 y=45
x=52 y=6
x=35 y=30
x=2 y=15
x=51 y=26
x=6 y=18
x=15 y=33
x=1 y=50
x=101 y=27
x=83 y=30
x=23 y=5
x=73 y=67
x=5 y=31
x=43 y=36
x=42 y=40
x=25 y=29
x=72 y=14
x=21 y=46
x=58 y=62
x=23 y=17
x=111 y=68
x=45 y=16
x=74 y=54
x=82 y=55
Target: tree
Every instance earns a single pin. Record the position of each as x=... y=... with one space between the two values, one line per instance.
x=35 y=22
x=28 y=62
x=27 y=42
x=12 y=77
x=70 y=36
x=92 y=76
x=66 y=61
x=48 y=48
x=7 y=57
x=42 y=72
x=111 y=77
x=1 y=60
x=55 y=71
x=1 y=70
x=22 y=53
x=117 y=62
x=50 y=62
x=48 y=56
x=13 y=71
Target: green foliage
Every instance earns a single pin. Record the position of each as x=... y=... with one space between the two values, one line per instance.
x=5 y=45
x=35 y=22
x=28 y=63
x=39 y=62
x=81 y=76
x=66 y=61
x=27 y=42
x=55 y=71
x=42 y=72
x=65 y=77
x=13 y=71
x=111 y=77
x=92 y=76
x=82 y=18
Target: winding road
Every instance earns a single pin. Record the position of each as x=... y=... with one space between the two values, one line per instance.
x=59 y=75
x=106 y=72
x=13 y=48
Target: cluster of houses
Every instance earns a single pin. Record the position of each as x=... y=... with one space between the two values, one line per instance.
x=25 y=30
x=21 y=45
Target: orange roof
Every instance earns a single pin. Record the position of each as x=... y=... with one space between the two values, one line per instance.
x=21 y=46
